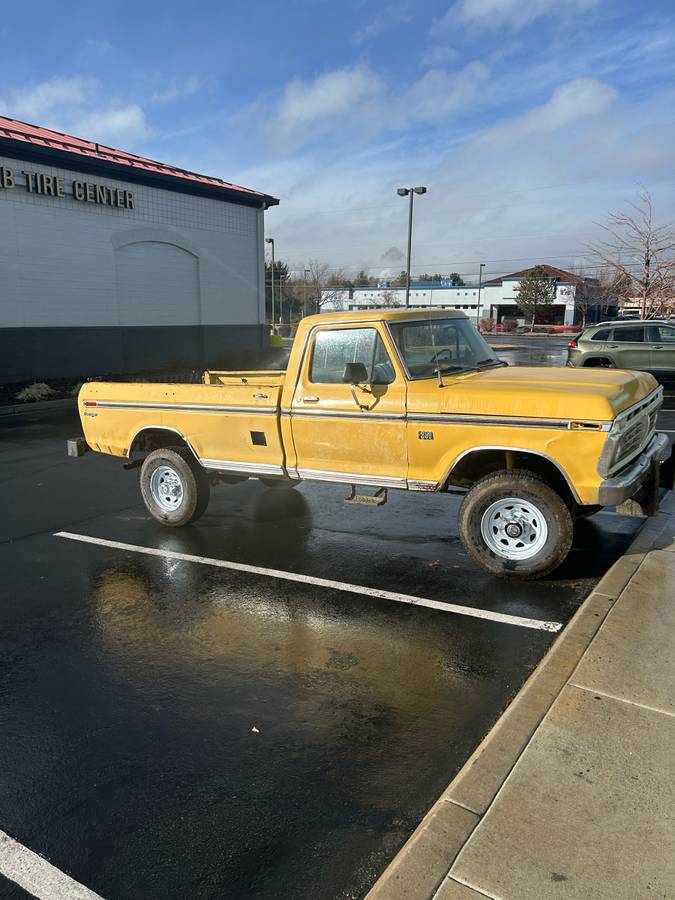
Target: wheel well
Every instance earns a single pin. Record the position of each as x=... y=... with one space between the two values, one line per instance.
x=477 y=464
x=150 y=439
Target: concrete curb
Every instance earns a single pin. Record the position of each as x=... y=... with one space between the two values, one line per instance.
x=420 y=867
x=19 y=408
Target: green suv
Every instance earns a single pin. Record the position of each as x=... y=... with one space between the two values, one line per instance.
x=648 y=345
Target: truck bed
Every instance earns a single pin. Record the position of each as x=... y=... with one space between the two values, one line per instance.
x=231 y=420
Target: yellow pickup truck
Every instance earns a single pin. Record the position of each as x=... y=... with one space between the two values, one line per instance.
x=408 y=399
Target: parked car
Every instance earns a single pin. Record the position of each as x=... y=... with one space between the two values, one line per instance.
x=408 y=399
x=645 y=345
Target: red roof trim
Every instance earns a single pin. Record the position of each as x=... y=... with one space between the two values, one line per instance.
x=15 y=130
x=550 y=271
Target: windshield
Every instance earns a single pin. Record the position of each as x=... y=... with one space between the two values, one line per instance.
x=432 y=346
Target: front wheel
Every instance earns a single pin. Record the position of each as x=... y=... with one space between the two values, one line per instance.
x=175 y=488
x=514 y=524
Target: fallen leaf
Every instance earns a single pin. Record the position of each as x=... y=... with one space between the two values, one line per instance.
x=255 y=729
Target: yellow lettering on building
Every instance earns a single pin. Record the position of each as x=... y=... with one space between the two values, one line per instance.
x=78 y=190
x=6 y=178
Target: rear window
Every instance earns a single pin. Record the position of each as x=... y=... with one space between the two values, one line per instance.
x=630 y=335
x=601 y=335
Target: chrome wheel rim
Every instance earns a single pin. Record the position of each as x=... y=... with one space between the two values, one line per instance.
x=166 y=488
x=514 y=529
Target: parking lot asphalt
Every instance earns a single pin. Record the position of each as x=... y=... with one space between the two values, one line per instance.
x=171 y=728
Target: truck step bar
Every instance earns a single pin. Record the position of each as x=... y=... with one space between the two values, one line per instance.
x=379 y=498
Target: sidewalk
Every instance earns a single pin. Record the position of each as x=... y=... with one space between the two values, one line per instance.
x=572 y=793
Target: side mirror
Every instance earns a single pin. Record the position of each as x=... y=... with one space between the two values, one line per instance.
x=355 y=373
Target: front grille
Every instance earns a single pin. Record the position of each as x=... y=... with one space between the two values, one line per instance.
x=633 y=439
x=630 y=434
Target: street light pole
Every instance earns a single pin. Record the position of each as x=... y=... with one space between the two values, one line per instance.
x=271 y=241
x=480 y=285
x=409 y=192
x=304 y=296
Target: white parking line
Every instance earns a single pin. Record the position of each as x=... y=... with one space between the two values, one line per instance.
x=320 y=582
x=37 y=876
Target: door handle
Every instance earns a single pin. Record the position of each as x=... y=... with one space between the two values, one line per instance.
x=310 y=399
x=613 y=346
x=657 y=347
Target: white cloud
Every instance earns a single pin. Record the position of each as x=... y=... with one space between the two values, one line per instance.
x=382 y=22
x=515 y=14
x=114 y=124
x=329 y=97
x=439 y=92
x=579 y=99
x=76 y=105
x=38 y=102
x=360 y=100
x=177 y=90
x=438 y=56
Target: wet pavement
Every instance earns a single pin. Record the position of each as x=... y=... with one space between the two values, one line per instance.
x=172 y=729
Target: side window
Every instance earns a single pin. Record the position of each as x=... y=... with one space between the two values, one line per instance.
x=634 y=335
x=334 y=348
x=663 y=334
x=601 y=335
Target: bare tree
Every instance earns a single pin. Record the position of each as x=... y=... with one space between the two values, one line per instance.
x=325 y=286
x=387 y=299
x=590 y=293
x=641 y=256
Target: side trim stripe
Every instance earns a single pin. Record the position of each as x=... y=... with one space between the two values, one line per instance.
x=351 y=478
x=190 y=407
x=229 y=465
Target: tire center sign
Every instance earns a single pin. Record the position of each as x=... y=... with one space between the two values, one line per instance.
x=55 y=186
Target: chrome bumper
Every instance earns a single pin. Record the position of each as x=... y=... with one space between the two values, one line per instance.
x=616 y=490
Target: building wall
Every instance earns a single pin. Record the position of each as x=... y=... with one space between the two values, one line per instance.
x=88 y=288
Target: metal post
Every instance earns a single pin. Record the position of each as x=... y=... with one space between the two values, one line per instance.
x=271 y=241
x=304 y=296
x=480 y=285
x=408 y=192
x=407 y=272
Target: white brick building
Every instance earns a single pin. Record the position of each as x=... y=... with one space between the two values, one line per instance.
x=111 y=263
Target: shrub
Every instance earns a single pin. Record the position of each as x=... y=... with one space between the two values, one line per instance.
x=34 y=392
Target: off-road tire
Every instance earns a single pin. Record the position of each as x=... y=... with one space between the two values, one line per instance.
x=526 y=486
x=194 y=483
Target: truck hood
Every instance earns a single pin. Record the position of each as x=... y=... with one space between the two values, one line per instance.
x=555 y=393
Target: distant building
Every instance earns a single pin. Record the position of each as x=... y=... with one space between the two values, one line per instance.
x=495 y=299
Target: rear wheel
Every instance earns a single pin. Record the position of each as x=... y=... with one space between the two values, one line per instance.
x=174 y=487
x=513 y=524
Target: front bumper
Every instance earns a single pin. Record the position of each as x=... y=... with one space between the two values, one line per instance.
x=614 y=491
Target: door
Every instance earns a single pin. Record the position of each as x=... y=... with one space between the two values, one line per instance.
x=350 y=433
x=628 y=347
x=662 y=348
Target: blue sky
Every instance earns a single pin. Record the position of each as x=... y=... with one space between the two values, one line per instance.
x=528 y=120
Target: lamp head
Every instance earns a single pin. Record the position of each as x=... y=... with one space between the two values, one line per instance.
x=403 y=192
x=420 y=190
x=269 y=240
